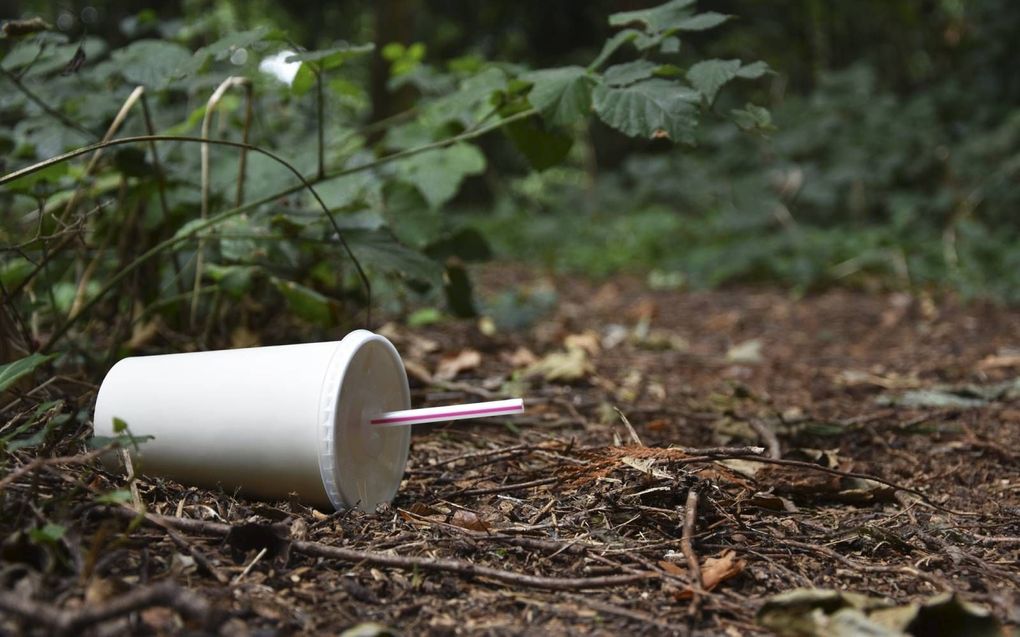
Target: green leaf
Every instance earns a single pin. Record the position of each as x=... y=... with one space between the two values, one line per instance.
x=119 y=426
x=424 y=316
x=235 y=280
x=152 y=63
x=541 y=146
x=650 y=109
x=379 y=250
x=702 y=21
x=457 y=289
x=119 y=496
x=49 y=533
x=467 y=244
x=612 y=45
x=629 y=72
x=306 y=303
x=660 y=18
x=710 y=75
x=753 y=70
x=437 y=174
x=563 y=95
x=752 y=118
x=11 y=372
x=14 y=271
x=325 y=59
x=222 y=49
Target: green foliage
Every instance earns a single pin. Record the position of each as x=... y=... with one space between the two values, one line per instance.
x=142 y=218
x=11 y=372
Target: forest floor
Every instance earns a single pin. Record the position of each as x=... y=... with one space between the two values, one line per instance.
x=666 y=433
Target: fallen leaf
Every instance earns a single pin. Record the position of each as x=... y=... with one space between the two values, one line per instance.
x=452 y=364
x=715 y=571
x=806 y=612
x=1009 y=358
x=469 y=520
x=520 y=357
x=244 y=337
x=568 y=366
x=587 y=340
x=746 y=352
x=417 y=370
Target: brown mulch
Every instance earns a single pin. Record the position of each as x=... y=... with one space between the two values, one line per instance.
x=732 y=471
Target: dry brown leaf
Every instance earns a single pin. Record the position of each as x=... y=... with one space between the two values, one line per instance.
x=715 y=571
x=244 y=337
x=587 y=340
x=469 y=520
x=452 y=364
x=520 y=357
x=417 y=370
x=672 y=569
x=143 y=333
x=563 y=366
x=999 y=361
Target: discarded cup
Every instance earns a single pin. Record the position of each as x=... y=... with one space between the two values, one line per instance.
x=327 y=421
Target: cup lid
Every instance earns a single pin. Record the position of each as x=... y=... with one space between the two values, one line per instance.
x=361 y=465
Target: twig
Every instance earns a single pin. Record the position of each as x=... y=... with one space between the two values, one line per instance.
x=210 y=108
x=509 y=487
x=39 y=463
x=687 y=546
x=150 y=128
x=354 y=556
x=118 y=119
x=630 y=428
x=41 y=103
x=62 y=621
x=247 y=569
x=767 y=436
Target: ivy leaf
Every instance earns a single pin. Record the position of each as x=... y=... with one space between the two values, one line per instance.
x=11 y=372
x=656 y=19
x=437 y=174
x=561 y=95
x=710 y=75
x=648 y=109
x=152 y=63
x=630 y=72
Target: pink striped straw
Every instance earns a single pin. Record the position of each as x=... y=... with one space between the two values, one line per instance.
x=406 y=417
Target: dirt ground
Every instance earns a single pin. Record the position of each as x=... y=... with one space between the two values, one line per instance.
x=669 y=432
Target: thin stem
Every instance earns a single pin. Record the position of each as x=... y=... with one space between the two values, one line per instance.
x=52 y=112
x=210 y=108
x=321 y=125
x=161 y=186
x=243 y=162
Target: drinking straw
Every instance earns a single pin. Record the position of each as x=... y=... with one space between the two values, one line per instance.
x=446 y=413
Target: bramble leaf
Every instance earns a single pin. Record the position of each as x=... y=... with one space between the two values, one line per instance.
x=652 y=108
x=561 y=95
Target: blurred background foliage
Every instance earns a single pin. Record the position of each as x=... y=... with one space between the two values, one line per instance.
x=888 y=156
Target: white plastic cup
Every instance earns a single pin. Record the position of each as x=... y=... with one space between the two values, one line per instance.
x=268 y=421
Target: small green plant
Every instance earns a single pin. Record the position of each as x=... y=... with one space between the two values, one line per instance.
x=156 y=188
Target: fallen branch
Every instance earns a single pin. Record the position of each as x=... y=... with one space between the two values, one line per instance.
x=687 y=546
x=61 y=621
x=407 y=563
